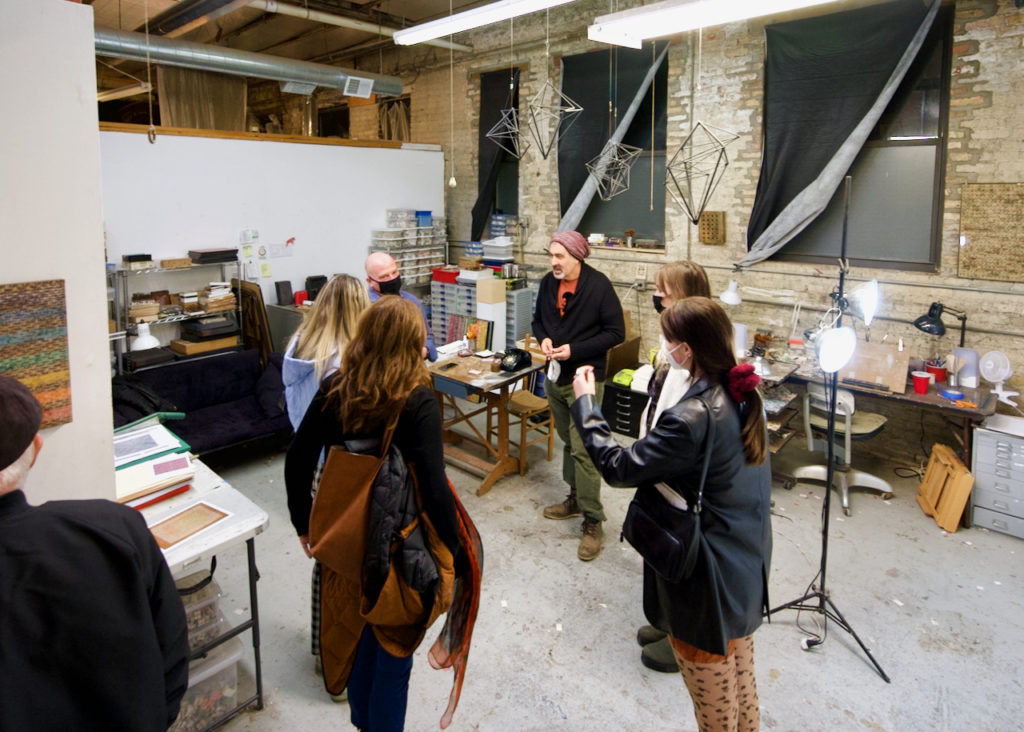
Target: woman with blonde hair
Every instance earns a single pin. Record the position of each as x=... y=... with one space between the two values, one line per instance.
x=711 y=613
x=315 y=349
x=313 y=354
x=382 y=376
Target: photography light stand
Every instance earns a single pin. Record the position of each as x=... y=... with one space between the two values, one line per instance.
x=816 y=599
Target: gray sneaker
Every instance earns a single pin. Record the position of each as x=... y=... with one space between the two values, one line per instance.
x=590 y=542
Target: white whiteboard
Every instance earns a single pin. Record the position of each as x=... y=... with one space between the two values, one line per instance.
x=186 y=193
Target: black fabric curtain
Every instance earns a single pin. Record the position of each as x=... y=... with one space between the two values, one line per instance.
x=826 y=82
x=590 y=80
x=495 y=96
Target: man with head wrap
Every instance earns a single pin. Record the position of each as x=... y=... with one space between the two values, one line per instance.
x=577 y=319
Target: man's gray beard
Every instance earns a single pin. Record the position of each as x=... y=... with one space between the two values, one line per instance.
x=558 y=275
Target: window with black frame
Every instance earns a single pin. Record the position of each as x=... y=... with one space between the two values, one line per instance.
x=604 y=83
x=897 y=193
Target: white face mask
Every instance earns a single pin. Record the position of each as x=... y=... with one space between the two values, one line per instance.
x=672 y=359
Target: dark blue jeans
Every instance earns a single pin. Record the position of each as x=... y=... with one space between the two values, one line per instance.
x=378 y=687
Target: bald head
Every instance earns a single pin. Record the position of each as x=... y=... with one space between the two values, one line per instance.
x=380 y=267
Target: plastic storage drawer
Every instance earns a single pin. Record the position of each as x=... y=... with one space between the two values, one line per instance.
x=212 y=688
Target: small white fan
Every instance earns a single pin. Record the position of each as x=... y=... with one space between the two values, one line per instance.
x=995 y=367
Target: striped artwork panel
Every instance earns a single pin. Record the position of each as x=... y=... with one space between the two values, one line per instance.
x=34 y=344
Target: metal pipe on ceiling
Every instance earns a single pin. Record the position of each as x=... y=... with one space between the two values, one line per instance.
x=168 y=52
x=272 y=6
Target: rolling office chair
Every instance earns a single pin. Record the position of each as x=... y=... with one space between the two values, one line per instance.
x=851 y=426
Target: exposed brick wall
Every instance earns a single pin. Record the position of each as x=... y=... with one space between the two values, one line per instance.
x=986 y=144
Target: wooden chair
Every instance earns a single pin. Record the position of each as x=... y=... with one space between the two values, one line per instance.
x=524 y=408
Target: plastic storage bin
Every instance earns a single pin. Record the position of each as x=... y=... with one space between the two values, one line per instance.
x=423 y=218
x=201 y=605
x=199 y=637
x=212 y=688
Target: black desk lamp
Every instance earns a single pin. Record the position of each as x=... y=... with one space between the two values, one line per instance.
x=932 y=321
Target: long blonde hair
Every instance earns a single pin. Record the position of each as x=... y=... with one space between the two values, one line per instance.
x=331 y=323
x=684 y=278
x=381 y=366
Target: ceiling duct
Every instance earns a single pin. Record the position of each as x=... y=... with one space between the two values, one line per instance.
x=168 y=52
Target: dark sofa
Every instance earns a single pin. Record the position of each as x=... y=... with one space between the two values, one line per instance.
x=227 y=399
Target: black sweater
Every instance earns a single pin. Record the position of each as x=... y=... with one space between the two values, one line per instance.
x=591 y=325
x=92 y=631
x=417 y=435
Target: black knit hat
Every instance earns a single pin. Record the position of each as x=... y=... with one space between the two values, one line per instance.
x=20 y=417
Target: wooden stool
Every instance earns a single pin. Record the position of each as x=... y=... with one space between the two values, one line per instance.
x=524 y=405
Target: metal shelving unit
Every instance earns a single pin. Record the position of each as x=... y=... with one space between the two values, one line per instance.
x=120 y=281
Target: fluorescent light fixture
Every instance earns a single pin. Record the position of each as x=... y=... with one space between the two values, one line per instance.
x=123 y=91
x=632 y=27
x=475 y=18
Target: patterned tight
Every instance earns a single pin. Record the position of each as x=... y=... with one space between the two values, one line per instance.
x=723 y=688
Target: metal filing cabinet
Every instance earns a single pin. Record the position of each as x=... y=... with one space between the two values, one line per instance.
x=998 y=467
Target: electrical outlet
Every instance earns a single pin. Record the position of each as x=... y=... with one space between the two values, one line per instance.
x=641 y=274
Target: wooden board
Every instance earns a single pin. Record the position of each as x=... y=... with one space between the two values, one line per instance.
x=879 y=366
x=184 y=524
x=991 y=229
x=946 y=486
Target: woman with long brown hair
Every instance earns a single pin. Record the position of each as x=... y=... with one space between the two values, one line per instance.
x=382 y=375
x=711 y=614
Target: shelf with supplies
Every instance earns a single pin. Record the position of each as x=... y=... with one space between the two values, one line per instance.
x=177 y=296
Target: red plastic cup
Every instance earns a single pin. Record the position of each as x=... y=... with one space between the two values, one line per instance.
x=939 y=372
x=921 y=381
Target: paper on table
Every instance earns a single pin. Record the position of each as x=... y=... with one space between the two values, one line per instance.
x=186 y=523
x=145 y=442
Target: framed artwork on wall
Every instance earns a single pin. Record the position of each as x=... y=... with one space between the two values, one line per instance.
x=34 y=344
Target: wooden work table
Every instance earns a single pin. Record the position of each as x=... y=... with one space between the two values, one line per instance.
x=460 y=378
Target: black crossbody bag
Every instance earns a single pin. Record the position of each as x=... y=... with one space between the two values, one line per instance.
x=668 y=538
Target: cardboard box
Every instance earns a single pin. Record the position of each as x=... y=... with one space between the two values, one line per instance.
x=626 y=355
x=490 y=291
x=191 y=348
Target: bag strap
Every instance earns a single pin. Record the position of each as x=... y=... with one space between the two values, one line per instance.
x=708 y=445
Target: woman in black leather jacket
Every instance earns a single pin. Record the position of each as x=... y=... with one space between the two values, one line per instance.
x=712 y=614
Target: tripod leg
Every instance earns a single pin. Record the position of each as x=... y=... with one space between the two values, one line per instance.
x=841 y=622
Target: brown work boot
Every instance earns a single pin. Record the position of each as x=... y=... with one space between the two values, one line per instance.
x=567 y=509
x=590 y=542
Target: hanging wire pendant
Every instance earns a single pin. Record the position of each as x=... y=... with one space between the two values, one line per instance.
x=697 y=167
x=506 y=134
x=610 y=169
x=549 y=115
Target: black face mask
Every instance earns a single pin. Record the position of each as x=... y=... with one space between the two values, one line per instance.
x=391 y=287
x=658 y=307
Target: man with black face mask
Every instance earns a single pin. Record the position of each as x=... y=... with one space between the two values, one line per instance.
x=383 y=278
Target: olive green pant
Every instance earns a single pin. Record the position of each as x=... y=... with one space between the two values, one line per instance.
x=577 y=468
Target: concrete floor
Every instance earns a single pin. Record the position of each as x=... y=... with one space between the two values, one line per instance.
x=555 y=645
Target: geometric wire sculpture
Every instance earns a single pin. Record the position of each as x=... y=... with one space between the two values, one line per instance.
x=549 y=114
x=506 y=134
x=611 y=168
x=697 y=167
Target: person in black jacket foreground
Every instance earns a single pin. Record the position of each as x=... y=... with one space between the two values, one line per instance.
x=577 y=319
x=711 y=615
x=92 y=631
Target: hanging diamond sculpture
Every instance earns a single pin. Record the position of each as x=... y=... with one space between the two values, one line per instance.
x=505 y=134
x=611 y=168
x=549 y=115
x=697 y=168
